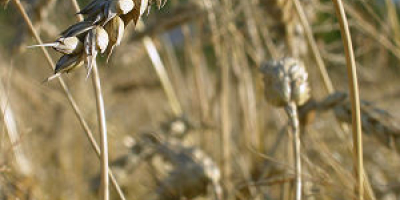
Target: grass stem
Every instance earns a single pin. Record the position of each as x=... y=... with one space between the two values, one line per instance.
x=291 y=110
x=103 y=133
x=355 y=99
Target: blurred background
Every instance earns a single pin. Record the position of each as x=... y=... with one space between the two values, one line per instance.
x=210 y=134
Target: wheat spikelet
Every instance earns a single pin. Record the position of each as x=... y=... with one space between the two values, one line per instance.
x=100 y=32
x=285 y=81
x=193 y=171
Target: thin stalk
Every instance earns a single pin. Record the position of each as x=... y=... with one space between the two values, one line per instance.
x=103 y=133
x=163 y=76
x=355 y=99
x=161 y=72
x=70 y=98
x=104 y=171
x=291 y=110
x=314 y=48
x=24 y=165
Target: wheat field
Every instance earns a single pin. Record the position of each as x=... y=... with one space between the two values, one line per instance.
x=199 y=99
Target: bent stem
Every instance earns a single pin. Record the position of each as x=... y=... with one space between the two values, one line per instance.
x=291 y=110
x=103 y=132
x=355 y=99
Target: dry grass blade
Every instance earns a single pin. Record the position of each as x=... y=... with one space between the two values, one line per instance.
x=314 y=48
x=355 y=99
x=24 y=165
x=161 y=73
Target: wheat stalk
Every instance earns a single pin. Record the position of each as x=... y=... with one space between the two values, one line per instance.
x=286 y=85
x=355 y=99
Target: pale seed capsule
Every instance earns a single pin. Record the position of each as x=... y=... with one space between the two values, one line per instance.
x=115 y=29
x=96 y=39
x=69 y=45
x=101 y=39
x=285 y=82
x=123 y=6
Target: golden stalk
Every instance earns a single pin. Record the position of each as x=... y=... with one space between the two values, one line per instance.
x=354 y=97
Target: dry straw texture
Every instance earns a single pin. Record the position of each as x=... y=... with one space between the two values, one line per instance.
x=202 y=100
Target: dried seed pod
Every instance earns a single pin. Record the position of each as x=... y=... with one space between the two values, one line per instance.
x=141 y=6
x=69 y=45
x=65 y=64
x=115 y=29
x=101 y=10
x=96 y=39
x=101 y=39
x=77 y=29
x=285 y=81
x=122 y=6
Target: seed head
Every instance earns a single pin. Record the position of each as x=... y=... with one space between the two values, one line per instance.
x=102 y=30
x=115 y=29
x=285 y=81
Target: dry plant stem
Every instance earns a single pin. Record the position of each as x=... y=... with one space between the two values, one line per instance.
x=103 y=133
x=321 y=66
x=72 y=101
x=24 y=165
x=218 y=49
x=355 y=99
x=291 y=110
x=162 y=74
x=104 y=171
x=314 y=48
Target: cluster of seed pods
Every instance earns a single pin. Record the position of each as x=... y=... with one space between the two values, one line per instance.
x=100 y=32
x=285 y=81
